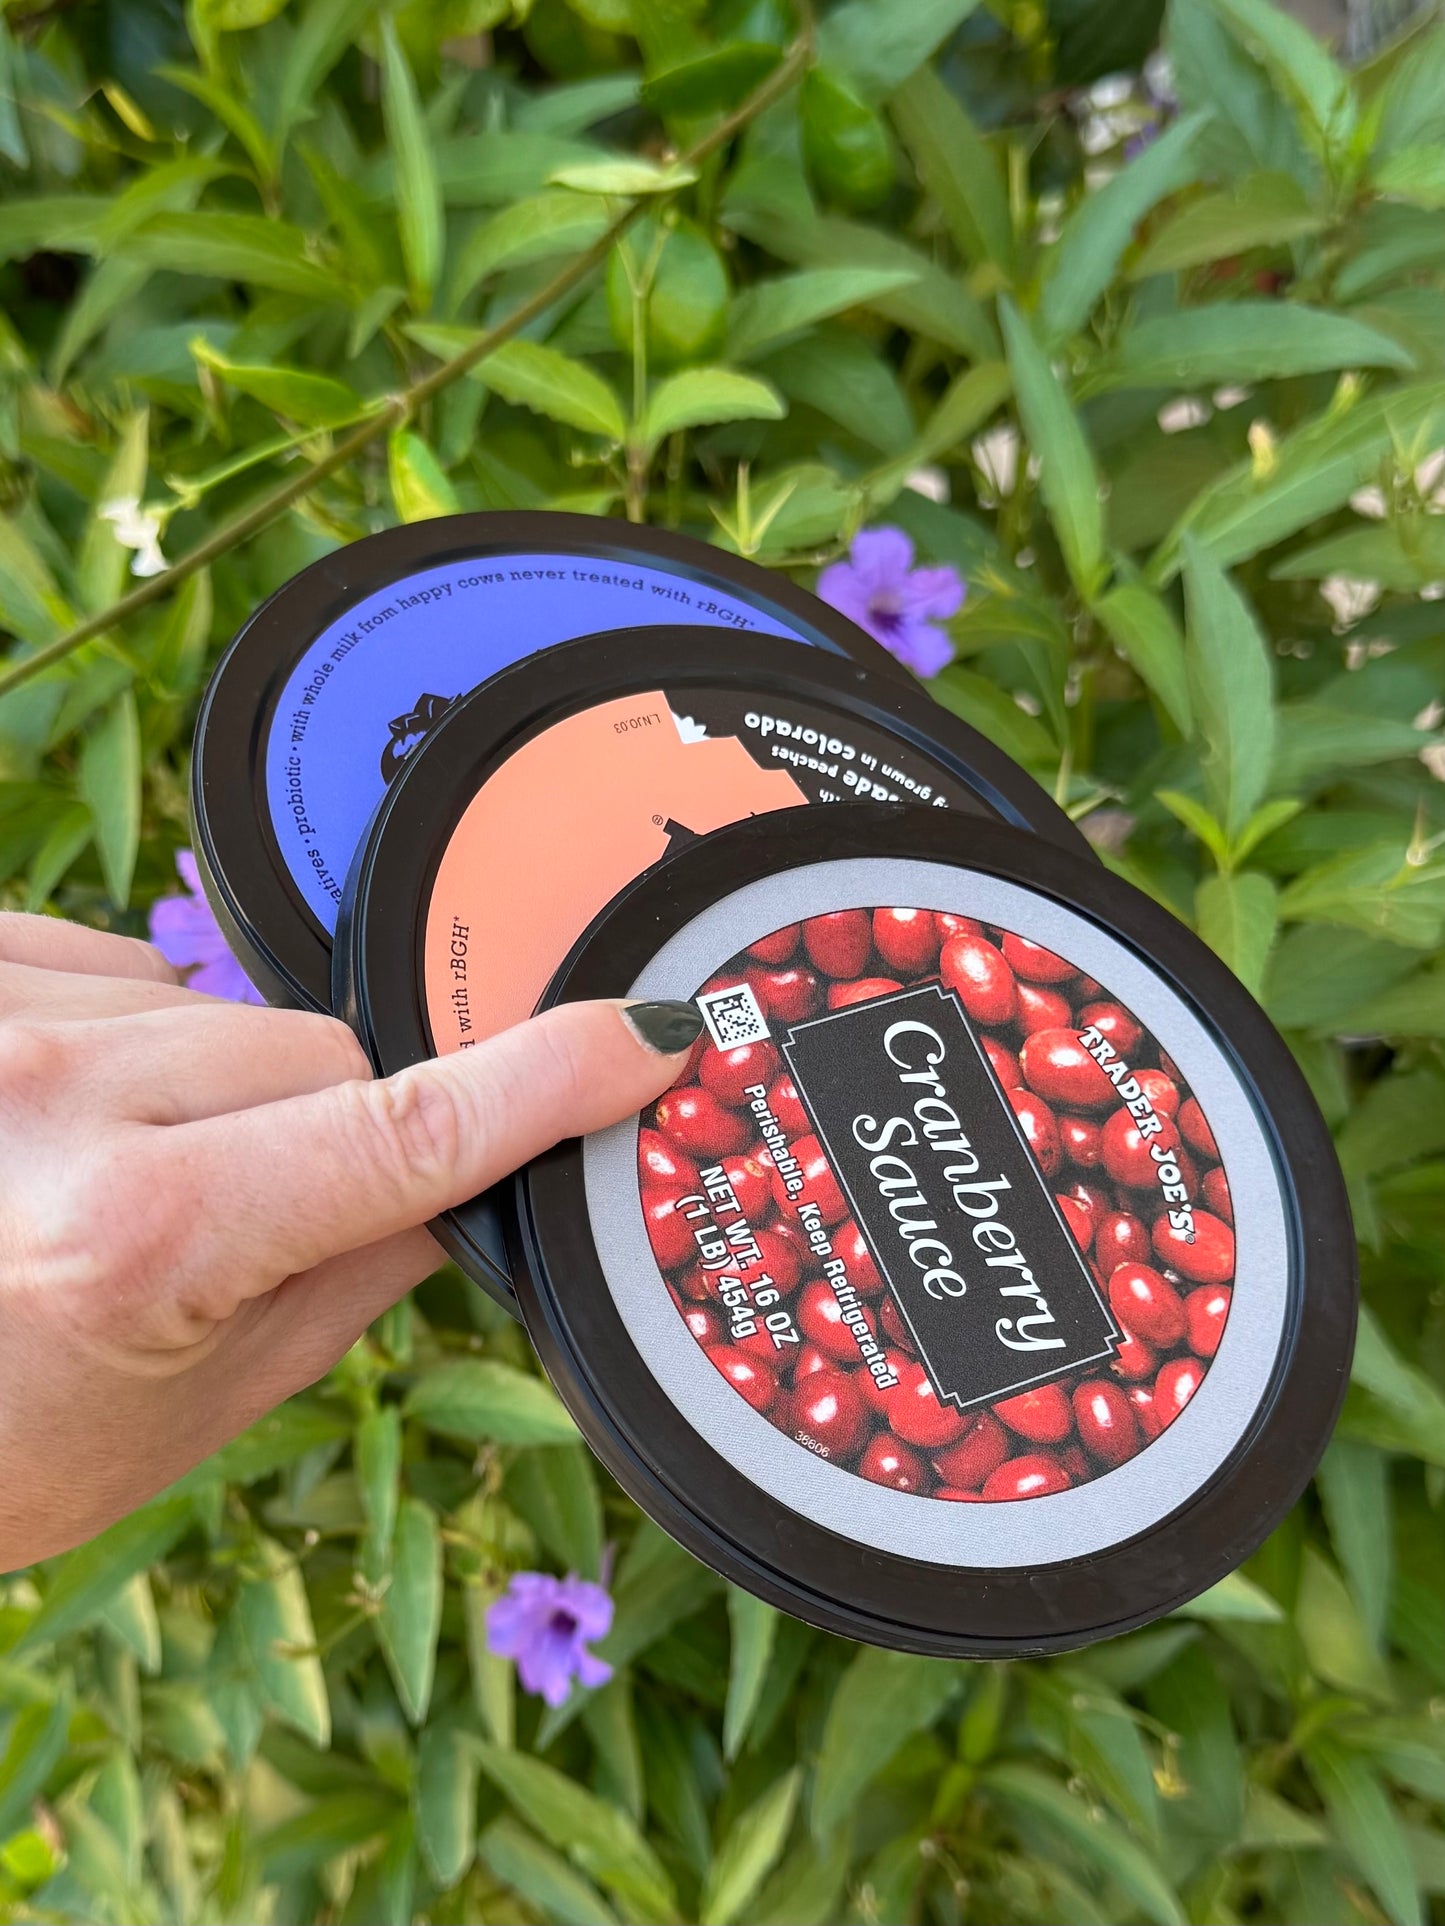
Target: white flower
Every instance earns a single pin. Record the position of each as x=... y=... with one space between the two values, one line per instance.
x=1112 y=91
x=1188 y=411
x=139 y=529
x=1350 y=598
x=929 y=480
x=1428 y=480
x=1431 y=716
x=1433 y=592
x=1433 y=758
x=1231 y=397
x=1371 y=502
x=1159 y=79
x=997 y=456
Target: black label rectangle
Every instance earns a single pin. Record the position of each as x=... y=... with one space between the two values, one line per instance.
x=944 y=1188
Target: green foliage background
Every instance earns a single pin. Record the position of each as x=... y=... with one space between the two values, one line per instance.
x=244 y=248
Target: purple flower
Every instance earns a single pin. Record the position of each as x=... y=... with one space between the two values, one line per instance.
x=186 y=933
x=544 y=1624
x=879 y=588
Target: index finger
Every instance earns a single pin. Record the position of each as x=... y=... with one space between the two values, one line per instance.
x=49 y=943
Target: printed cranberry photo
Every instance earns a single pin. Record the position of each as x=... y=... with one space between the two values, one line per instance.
x=769 y=1260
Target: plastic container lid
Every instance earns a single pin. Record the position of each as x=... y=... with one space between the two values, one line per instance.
x=537 y=799
x=992 y=1294
x=338 y=676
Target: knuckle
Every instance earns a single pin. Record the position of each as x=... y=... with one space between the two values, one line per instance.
x=411 y=1126
x=35 y=1058
x=337 y=1048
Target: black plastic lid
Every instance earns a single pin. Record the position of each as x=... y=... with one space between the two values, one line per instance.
x=537 y=799
x=333 y=681
x=916 y=1307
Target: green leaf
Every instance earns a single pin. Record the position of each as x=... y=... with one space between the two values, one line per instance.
x=880 y=1701
x=104 y=562
x=994 y=712
x=601 y=1840
x=1336 y=1642
x=1390 y=1403
x=1415 y=174
x=411 y=1607
x=82 y=1583
x=72 y=222
x=1354 y=1485
x=229 y=109
x=1298 y=62
x=1235 y=1599
x=418 y=193
x=273 y=1618
x=712 y=83
x=1406 y=555
x=535 y=229
x=1232 y=696
x=494 y=1679
x=445 y=1801
x=1069 y=481
x=1098 y=1839
x=286 y=1434
x=1238 y=916
x=1412 y=106
x=1377 y=889
x=754 y=1629
x=1141 y=626
x=772 y=311
x=957 y=167
x=235 y=247
x=479 y=1398
x=131 y=1617
x=1364 y=1823
x=110 y=785
x=749 y=1852
x=628 y=176
x=324 y=1832
x=1263 y=210
x=552 y=384
x=556 y=1492
x=1316 y=470
x=419 y=484
x=695 y=396
x=520 y=1860
x=658 y=1585
x=377 y=1454
x=878 y=45
x=325 y=31
x=1245 y=341
x=618 y=1774
x=1101 y=227
x=1189 y=1697
x=313 y=400
x=34 y=1746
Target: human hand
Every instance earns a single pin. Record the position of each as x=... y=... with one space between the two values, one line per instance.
x=206 y=1203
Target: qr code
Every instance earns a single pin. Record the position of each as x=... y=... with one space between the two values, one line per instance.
x=732 y=1017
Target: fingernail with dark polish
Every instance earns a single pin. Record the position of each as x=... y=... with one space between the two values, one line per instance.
x=666 y=1028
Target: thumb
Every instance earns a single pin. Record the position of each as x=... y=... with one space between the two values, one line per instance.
x=291 y=1184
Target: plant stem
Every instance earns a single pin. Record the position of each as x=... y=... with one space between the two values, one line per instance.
x=399 y=407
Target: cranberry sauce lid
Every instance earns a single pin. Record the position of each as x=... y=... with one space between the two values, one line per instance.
x=986 y=1284
x=545 y=793
x=335 y=679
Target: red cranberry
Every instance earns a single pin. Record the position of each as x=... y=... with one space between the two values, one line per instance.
x=887 y=1462
x=842 y=995
x=1033 y=962
x=827 y=1406
x=749 y=1376
x=1079 y=1220
x=820 y=1186
x=849 y=1245
x=1040 y=1414
x=781 y=1260
x=1082 y=1140
x=776 y=948
x=906 y=939
x=1208 y=1260
x=1039 y=1128
x=1126 y=1151
x=759 y=1344
x=1146 y=1411
x=1035 y=1475
x=1205 y=1313
x=788 y=995
x=752 y=1185
x=730 y=1074
x=1057 y=1065
x=1087 y=990
x=820 y=1318
x=810 y=1359
x=696 y=1284
x=1215 y=1192
x=977 y=1454
x=955 y=1496
x=695 y=1119
x=891 y=1319
x=787 y=1106
x=703 y=1320
x=1004 y=1063
x=984 y=982
x=916 y=1415
x=872 y=1392
x=1121 y=1238
x=1134 y=1360
x=662 y=1166
x=1074 y=1460
x=1105 y=1420
x=1144 y=1302
x=668 y=1230
x=1162 y=1091
x=1195 y=1125
x=1040 y=1009
x=1175 y=1386
x=839 y=943
x=1094 y=1200
x=1114 y=1024
x=949 y=925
